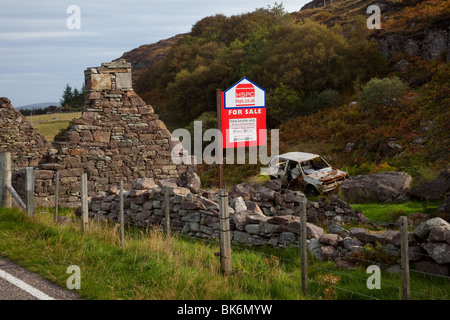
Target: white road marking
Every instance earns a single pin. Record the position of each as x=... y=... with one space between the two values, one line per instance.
x=24 y=286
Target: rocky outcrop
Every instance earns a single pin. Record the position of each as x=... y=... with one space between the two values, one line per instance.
x=427 y=44
x=390 y=187
x=435 y=189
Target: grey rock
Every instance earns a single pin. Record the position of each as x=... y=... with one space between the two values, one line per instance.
x=339 y=230
x=313 y=244
x=252 y=228
x=286 y=238
x=143 y=184
x=440 y=252
x=389 y=187
x=238 y=204
x=330 y=239
x=424 y=229
x=439 y=234
x=241 y=237
x=434 y=190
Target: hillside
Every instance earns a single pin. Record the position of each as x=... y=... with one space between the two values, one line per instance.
x=315 y=64
x=147 y=55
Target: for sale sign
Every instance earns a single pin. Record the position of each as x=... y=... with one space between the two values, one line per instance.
x=244 y=115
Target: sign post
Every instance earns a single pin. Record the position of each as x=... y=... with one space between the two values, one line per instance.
x=241 y=117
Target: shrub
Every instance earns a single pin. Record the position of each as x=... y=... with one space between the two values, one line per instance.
x=382 y=93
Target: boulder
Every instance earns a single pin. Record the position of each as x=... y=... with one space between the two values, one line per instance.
x=365 y=235
x=440 y=252
x=434 y=189
x=389 y=187
x=424 y=229
x=189 y=180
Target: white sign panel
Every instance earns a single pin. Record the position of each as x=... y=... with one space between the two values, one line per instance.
x=245 y=94
x=242 y=130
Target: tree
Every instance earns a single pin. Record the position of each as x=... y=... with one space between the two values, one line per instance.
x=283 y=103
x=379 y=93
x=72 y=99
x=67 y=97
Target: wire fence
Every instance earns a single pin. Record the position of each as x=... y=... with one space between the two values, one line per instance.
x=316 y=268
x=352 y=276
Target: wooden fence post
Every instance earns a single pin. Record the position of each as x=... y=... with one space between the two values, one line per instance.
x=406 y=294
x=30 y=175
x=303 y=246
x=121 y=217
x=84 y=202
x=56 y=194
x=167 y=210
x=5 y=180
x=225 y=239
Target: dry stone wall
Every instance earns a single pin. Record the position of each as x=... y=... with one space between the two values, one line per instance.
x=27 y=146
x=197 y=215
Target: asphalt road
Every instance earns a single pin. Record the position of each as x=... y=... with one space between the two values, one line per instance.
x=17 y=283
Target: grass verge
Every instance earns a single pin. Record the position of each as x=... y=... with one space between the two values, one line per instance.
x=150 y=266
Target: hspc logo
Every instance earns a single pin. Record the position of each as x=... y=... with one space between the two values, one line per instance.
x=245 y=95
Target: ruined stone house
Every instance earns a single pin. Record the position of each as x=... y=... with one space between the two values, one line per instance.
x=117 y=137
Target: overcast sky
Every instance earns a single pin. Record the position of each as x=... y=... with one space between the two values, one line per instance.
x=39 y=54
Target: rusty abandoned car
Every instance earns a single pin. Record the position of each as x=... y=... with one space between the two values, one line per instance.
x=310 y=172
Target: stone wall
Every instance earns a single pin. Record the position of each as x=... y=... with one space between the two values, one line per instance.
x=196 y=215
x=27 y=146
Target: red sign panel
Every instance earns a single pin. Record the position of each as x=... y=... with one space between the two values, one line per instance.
x=243 y=115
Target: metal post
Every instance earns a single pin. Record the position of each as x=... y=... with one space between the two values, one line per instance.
x=5 y=180
x=167 y=210
x=219 y=126
x=56 y=194
x=303 y=243
x=84 y=202
x=121 y=217
x=225 y=239
x=406 y=294
x=29 y=190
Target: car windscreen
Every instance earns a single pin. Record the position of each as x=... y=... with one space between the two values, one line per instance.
x=318 y=163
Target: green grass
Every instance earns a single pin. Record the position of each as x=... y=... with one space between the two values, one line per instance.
x=50 y=124
x=148 y=267
x=151 y=267
x=392 y=211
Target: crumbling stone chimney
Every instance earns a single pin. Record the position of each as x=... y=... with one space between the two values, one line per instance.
x=118 y=136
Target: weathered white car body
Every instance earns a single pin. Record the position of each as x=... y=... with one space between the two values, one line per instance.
x=311 y=171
